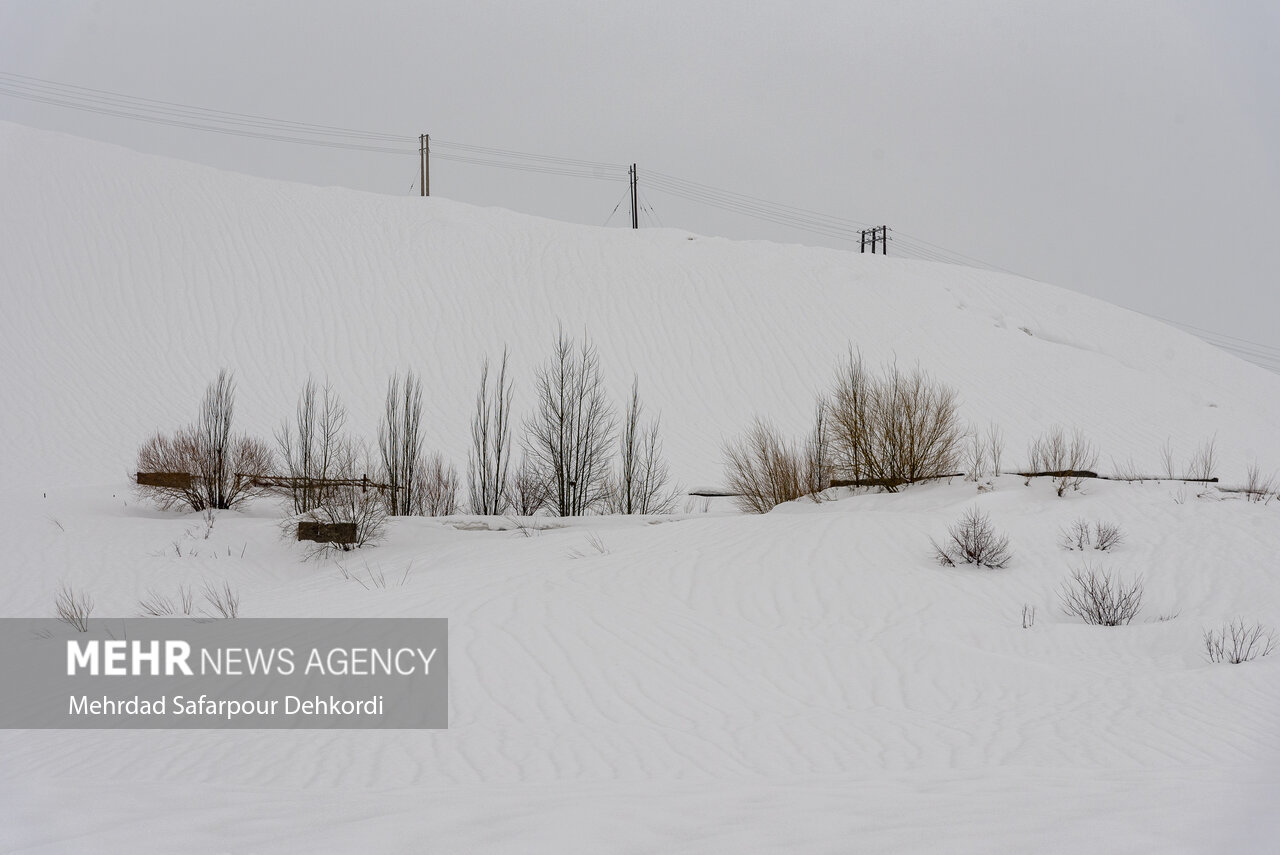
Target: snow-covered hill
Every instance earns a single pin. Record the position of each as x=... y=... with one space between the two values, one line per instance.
x=129 y=280
x=809 y=680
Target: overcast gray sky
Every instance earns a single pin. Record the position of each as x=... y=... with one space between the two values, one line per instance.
x=1124 y=150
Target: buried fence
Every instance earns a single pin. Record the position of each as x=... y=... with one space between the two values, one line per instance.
x=319 y=532
x=893 y=483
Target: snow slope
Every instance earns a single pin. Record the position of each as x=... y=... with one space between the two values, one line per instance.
x=804 y=681
x=131 y=279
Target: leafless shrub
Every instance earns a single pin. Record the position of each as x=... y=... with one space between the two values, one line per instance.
x=1101 y=598
x=1106 y=535
x=1204 y=462
x=897 y=428
x=436 y=488
x=365 y=506
x=527 y=492
x=185 y=599
x=400 y=444
x=595 y=546
x=568 y=438
x=763 y=469
x=1055 y=452
x=1166 y=460
x=973 y=540
x=1076 y=536
x=224 y=601
x=1258 y=488
x=311 y=447
x=222 y=465
x=975 y=456
x=1238 y=642
x=73 y=608
x=487 y=469
x=1080 y=535
x=995 y=448
x=1028 y=616
x=641 y=485
x=155 y=604
x=1126 y=470
x=697 y=505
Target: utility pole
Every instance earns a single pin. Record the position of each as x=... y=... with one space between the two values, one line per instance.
x=879 y=235
x=424 y=164
x=635 y=210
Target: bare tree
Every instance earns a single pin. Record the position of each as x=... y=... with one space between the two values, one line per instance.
x=222 y=465
x=400 y=443
x=763 y=470
x=487 y=471
x=568 y=437
x=310 y=446
x=895 y=429
x=641 y=484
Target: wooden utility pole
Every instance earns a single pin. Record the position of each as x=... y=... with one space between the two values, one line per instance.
x=635 y=209
x=424 y=164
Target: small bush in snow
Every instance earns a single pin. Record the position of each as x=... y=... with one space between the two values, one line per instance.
x=1204 y=462
x=224 y=601
x=1080 y=536
x=1064 y=456
x=763 y=469
x=73 y=608
x=1099 y=597
x=155 y=604
x=1258 y=488
x=1238 y=642
x=972 y=540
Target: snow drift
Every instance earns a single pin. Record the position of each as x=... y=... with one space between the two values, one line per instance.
x=131 y=279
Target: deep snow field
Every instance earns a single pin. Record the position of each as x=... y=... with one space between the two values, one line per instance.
x=809 y=680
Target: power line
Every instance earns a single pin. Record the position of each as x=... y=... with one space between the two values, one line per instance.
x=248 y=125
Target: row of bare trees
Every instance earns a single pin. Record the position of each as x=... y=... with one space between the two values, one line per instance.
x=568 y=444
x=578 y=455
